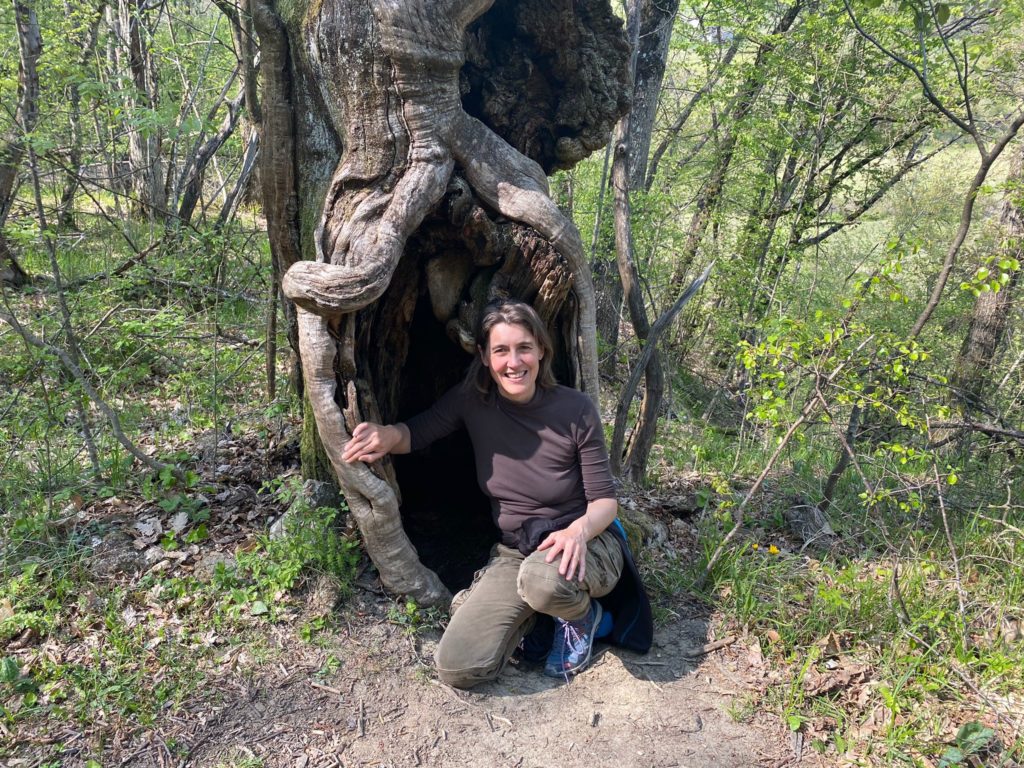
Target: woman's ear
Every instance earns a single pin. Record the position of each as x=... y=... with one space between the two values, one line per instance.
x=483 y=356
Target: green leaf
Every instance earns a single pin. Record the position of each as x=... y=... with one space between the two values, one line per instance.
x=942 y=13
x=258 y=608
x=10 y=670
x=951 y=757
x=952 y=479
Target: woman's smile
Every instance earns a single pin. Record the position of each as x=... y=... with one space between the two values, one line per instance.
x=513 y=357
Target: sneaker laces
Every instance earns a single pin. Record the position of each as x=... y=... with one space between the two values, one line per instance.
x=571 y=636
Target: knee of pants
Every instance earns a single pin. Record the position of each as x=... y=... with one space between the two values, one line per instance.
x=460 y=669
x=544 y=589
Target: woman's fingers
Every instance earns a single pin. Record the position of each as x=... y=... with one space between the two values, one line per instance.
x=364 y=445
x=573 y=551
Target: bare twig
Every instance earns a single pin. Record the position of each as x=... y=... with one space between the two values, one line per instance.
x=710 y=647
x=69 y=333
x=83 y=381
x=961 y=599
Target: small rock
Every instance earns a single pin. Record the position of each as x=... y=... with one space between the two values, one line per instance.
x=115 y=554
x=208 y=563
x=320 y=494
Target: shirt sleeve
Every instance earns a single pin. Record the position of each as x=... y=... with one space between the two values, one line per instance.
x=594 y=466
x=440 y=420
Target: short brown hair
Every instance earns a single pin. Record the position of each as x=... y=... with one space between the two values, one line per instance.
x=510 y=312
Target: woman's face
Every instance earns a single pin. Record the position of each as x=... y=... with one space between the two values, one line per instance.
x=513 y=357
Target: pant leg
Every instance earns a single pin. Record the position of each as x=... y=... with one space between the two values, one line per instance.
x=545 y=590
x=487 y=625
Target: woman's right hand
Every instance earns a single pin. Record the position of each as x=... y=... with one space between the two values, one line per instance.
x=371 y=442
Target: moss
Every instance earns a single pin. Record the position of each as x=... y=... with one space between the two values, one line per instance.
x=638 y=527
x=315 y=464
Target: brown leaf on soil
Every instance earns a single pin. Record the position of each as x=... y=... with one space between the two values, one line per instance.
x=831 y=645
x=844 y=676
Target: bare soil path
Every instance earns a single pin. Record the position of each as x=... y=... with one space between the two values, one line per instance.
x=382 y=706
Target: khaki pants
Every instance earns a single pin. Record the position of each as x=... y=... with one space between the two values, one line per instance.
x=491 y=617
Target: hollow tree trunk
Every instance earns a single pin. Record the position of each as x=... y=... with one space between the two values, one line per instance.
x=406 y=144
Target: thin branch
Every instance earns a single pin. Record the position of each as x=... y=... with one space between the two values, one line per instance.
x=83 y=381
x=963 y=125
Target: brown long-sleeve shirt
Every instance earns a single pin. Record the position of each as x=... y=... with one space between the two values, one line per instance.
x=544 y=458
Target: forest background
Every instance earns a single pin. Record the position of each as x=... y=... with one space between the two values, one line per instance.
x=821 y=446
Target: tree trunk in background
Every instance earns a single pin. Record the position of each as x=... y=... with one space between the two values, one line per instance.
x=972 y=371
x=10 y=270
x=141 y=96
x=30 y=48
x=650 y=59
x=193 y=185
x=368 y=106
x=631 y=461
x=66 y=207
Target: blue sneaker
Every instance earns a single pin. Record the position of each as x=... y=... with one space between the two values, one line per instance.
x=573 y=644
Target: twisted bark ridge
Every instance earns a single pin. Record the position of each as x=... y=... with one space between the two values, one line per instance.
x=383 y=83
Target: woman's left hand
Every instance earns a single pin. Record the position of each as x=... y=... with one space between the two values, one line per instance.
x=571 y=543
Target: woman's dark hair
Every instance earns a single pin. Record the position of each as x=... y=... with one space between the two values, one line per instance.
x=510 y=312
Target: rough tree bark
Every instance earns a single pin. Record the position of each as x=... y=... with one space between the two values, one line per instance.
x=406 y=144
x=972 y=371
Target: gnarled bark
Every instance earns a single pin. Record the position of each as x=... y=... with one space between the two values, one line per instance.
x=410 y=211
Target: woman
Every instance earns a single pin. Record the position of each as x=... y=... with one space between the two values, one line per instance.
x=540 y=457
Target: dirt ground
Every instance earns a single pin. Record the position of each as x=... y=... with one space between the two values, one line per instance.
x=362 y=692
x=382 y=706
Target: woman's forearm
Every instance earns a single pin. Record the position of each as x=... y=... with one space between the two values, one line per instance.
x=599 y=515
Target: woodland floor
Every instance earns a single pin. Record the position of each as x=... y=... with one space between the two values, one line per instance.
x=383 y=707
x=361 y=690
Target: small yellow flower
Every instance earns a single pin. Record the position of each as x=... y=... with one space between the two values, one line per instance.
x=773 y=550
x=755 y=545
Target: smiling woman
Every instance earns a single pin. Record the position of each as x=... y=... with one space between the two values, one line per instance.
x=513 y=358
x=540 y=458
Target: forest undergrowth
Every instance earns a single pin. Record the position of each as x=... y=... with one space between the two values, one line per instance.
x=890 y=635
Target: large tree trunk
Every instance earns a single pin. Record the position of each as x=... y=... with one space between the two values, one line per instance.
x=405 y=149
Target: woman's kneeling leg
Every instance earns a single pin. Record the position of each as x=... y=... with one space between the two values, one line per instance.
x=545 y=590
x=487 y=627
